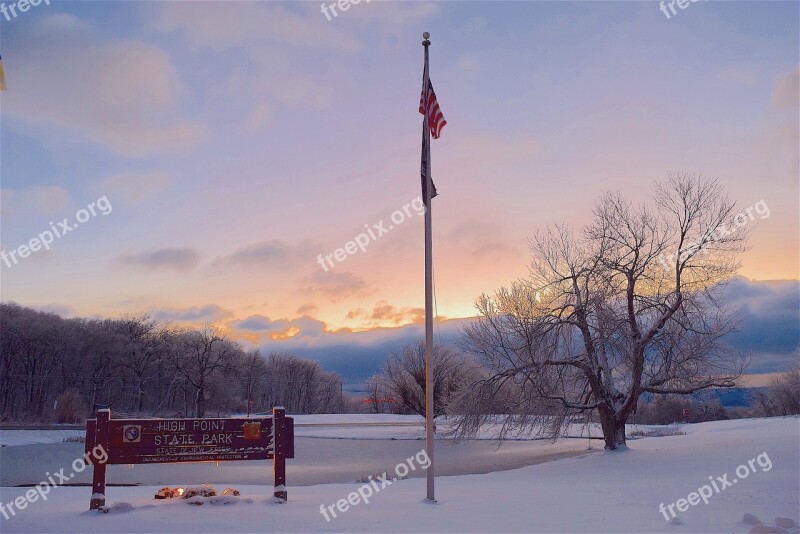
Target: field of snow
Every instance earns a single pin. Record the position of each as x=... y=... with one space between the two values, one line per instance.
x=598 y=492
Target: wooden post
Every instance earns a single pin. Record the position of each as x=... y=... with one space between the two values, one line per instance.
x=101 y=438
x=279 y=457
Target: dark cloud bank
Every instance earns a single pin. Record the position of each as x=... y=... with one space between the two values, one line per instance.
x=769 y=334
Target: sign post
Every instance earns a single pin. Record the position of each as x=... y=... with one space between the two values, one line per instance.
x=279 y=461
x=100 y=432
x=146 y=441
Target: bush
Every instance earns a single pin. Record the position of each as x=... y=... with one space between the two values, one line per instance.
x=70 y=407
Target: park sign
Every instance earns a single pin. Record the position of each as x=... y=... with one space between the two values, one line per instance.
x=153 y=441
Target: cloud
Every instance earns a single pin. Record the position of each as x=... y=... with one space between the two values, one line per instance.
x=210 y=313
x=307 y=309
x=135 y=188
x=256 y=323
x=122 y=95
x=355 y=314
x=385 y=314
x=218 y=26
x=770 y=314
x=178 y=259
x=270 y=253
x=260 y=38
x=63 y=23
x=302 y=330
x=335 y=286
x=786 y=91
x=383 y=311
x=264 y=35
x=391 y=19
x=770 y=332
x=354 y=355
x=43 y=199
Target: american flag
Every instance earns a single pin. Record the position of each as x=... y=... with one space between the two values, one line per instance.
x=435 y=117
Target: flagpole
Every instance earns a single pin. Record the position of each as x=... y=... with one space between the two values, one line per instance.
x=428 y=289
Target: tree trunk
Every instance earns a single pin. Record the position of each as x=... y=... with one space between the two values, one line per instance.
x=201 y=400
x=613 y=430
x=139 y=396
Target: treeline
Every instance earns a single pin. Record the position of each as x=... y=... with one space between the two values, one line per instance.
x=399 y=388
x=56 y=369
x=780 y=397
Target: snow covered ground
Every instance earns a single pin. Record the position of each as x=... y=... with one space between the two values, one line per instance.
x=598 y=492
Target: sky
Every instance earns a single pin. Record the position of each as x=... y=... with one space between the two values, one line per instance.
x=218 y=149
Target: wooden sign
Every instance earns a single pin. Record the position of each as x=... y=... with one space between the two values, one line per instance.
x=149 y=441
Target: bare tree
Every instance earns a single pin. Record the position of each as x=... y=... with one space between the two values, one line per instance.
x=626 y=305
x=251 y=371
x=301 y=386
x=203 y=353
x=786 y=390
x=142 y=342
x=782 y=396
x=403 y=376
x=377 y=395
x=134 y=364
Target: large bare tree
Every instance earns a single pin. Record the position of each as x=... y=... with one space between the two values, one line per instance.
x=625 y=305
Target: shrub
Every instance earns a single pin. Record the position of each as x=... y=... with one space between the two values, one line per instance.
x=70 y=407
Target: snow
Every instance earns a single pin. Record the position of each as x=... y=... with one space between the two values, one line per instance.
x=117 y=507
x=597 y=492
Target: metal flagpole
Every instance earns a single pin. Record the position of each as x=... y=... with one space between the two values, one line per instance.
x=428 y=284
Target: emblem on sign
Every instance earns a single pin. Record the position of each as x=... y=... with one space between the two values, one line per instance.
x=132 y=433
x=252 y=430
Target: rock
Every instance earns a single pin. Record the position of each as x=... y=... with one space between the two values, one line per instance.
x=750 y=519
x=785 y=522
